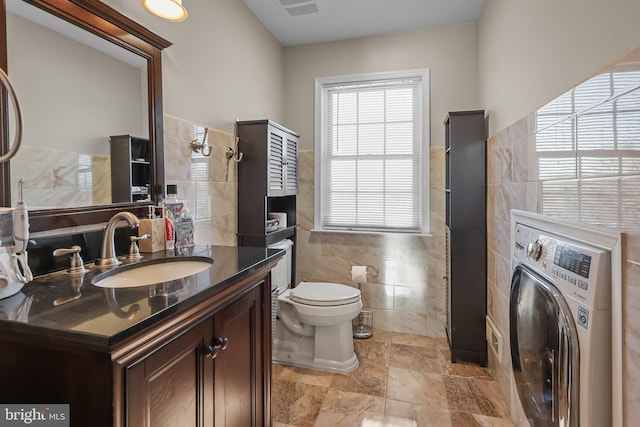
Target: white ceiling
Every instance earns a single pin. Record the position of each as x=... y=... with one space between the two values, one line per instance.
x=295 y=22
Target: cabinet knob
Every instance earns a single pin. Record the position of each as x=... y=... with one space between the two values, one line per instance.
x=218 y=344
x=211 y=351
x=222 y=343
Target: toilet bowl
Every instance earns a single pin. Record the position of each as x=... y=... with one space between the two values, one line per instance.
x=312 y=321
x=313 y=327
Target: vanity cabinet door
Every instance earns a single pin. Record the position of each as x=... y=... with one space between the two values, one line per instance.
x=172 y=385
x=239 y=375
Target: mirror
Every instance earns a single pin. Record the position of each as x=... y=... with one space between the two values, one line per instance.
x=83 y=72
x=76 y=89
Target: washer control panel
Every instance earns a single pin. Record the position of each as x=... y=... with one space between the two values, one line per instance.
x=577 y=269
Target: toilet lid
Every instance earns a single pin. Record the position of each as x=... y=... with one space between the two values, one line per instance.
x=322 y=293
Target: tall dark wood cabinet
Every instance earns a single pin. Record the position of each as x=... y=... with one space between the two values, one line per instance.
x=466 y=235
x=130 y=168
x=267 y=182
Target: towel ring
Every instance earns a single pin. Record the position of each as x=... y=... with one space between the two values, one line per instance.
x=17 y=137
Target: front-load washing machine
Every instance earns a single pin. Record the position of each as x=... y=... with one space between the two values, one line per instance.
x=560 y=326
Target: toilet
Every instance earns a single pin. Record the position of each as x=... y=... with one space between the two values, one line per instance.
x=312 y=322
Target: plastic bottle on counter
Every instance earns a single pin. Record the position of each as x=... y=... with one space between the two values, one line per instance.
x=169 y=231
x=171 y=203
x=184 y=229
x=171 y=207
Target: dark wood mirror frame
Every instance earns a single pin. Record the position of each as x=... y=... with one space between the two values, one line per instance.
x=104 y=21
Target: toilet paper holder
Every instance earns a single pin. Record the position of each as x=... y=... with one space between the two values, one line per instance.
x=359 y=274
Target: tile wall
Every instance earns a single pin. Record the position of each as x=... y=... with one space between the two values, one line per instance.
x=576 y=158
x=405 y=288
x=60 y=179
x=207 y=184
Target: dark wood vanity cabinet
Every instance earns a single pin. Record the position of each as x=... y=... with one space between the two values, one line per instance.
x=206 y=365
x=466 y=235
x=172 y=385
x=210 y=375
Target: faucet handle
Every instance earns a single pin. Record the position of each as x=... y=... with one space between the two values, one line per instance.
x=75 y=262
x=134 y=252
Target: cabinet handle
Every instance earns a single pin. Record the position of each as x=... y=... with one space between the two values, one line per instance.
x=219 y=344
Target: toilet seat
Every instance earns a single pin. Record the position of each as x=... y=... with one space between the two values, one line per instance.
x=324 y=294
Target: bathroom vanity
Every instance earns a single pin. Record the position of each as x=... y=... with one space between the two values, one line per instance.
x=195 y=351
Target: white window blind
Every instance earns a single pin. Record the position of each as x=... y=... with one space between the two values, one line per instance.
x=372 y=154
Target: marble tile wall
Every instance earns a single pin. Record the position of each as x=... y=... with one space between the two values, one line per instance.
x=60 y=179
x=576 y=158
x=405 y=288
x=207 y=184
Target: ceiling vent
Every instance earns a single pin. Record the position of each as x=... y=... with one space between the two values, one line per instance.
x=299 y=7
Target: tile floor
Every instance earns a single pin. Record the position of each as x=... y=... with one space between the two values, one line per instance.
x=403 y=380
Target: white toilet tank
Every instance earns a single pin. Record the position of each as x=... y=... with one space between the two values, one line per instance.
x=281 y=273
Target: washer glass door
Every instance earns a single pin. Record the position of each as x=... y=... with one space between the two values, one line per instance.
x=544 y=351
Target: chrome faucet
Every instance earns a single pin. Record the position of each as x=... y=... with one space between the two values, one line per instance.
x=108 y=249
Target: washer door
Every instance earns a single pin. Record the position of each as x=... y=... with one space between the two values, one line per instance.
x=544 y=351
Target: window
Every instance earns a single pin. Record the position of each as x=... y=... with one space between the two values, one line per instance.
x=371 y=152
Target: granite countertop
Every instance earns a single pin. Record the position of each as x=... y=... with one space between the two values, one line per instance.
x=102 y=318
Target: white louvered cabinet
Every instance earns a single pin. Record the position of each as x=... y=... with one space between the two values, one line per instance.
x=267 y=181
x=282 y=152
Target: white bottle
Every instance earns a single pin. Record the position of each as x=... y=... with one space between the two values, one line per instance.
x=171 y=203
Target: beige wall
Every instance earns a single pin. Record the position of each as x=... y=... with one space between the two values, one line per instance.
x=448 y=52
x=405 y=288
x=531 y=51
x=223 y=65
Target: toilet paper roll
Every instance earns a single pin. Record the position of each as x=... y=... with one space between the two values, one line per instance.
x=359 y=273
x=281 y=217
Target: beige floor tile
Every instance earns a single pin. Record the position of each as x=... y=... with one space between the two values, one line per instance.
x=344 y=409
x=410 y=375
x=463 y=419
x=474 y=396
x=467 y=370
x=380 y=335
x=415 y=358
x=415 y=340
x=295 y=403
x=368 y=379
x=489 y=399
x=460 y=395
x=405 y=414
x=301 y=375
x=372 y=352
x=417 y=387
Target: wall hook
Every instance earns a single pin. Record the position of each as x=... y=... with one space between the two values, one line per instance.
x=202 y=147
x=233 y=153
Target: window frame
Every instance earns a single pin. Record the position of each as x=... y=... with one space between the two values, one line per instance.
x=319 y=123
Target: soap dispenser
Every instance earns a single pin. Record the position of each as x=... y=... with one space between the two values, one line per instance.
x=154 y=228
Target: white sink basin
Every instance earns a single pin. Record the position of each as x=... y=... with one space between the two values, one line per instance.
x=152 y=272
